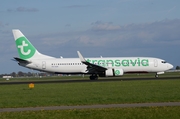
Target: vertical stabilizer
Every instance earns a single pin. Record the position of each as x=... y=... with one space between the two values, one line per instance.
x=25 y=49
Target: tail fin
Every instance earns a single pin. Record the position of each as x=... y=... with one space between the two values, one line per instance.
x=25 y=49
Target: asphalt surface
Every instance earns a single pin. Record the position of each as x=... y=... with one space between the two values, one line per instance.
x=90 y=107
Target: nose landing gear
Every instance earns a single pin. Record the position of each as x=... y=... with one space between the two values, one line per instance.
x=156 y=76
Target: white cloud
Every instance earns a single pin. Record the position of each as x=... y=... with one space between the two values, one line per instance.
x=155 y=39
x=78 y=6
x=132 y=35
x=23 y=9
x=104 y=26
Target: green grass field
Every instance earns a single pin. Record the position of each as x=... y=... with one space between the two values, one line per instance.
x=112 y=113
x=114 y=92
x=79 y=77
x=89 y=93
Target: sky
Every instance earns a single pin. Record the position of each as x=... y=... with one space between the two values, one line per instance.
x=108 y=28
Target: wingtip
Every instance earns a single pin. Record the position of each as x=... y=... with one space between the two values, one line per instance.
x=81 y=57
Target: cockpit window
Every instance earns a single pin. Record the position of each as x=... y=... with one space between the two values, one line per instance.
x=163 y=62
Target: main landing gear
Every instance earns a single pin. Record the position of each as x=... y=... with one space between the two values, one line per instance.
x=93 y=77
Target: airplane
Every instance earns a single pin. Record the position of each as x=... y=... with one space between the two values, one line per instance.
x=30 y=57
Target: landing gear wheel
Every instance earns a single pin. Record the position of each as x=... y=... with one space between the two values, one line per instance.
x=156 y=76
x=93 y=77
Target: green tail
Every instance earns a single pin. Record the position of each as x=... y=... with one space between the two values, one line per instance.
x=25 y=49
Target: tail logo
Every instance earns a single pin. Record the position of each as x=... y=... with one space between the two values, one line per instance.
x=22 y=48
x=25 y=48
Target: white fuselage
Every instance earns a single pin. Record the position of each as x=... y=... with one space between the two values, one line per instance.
x=75 y=66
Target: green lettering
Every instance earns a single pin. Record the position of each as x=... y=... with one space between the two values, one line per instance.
x=125 y=63
x=139 y=63
x=88 y=60
x=103 y=63
x=117 y=63
x=111 y=62
x=100 y=62
x=94 y=61
x=145 y=62
x=133 y=63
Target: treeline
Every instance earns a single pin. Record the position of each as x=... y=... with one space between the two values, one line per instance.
x=26 y=74
x=177 y=67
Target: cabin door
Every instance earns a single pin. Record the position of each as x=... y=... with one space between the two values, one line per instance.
x=155 y=63
x=43 y=65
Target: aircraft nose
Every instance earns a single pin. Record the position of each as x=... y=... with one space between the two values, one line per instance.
x=170 y=66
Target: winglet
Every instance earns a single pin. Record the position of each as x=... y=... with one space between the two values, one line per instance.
x=91 y=67
x=81 y=57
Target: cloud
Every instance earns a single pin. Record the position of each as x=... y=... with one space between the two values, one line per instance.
x=146 y=39
x=68 y=25
x=160 y=31
x=157 y=39
x=100 y=26
x=3 y=24
x=23 y=9
x=171 y=10
x=3 y=30
x=103 y=34
x=77 y=6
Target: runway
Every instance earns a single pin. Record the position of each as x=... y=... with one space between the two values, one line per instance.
x=90 y=107
x=108 y=79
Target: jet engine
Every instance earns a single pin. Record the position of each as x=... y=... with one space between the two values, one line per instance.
x=114 y=72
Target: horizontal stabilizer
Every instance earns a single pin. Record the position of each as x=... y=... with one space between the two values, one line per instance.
x=21 y=60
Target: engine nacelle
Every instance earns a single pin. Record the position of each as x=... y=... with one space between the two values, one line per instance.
x=114 y=72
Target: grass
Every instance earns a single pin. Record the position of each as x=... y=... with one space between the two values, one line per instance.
x=43 y=78
x=89 y=93
x=79 y=77
x=55 y=94
x=111 y=113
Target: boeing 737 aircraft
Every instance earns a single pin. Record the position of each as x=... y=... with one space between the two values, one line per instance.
x=103 y=67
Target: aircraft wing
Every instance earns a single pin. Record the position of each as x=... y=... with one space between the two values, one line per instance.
x=21 y=60
x=91 y=68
